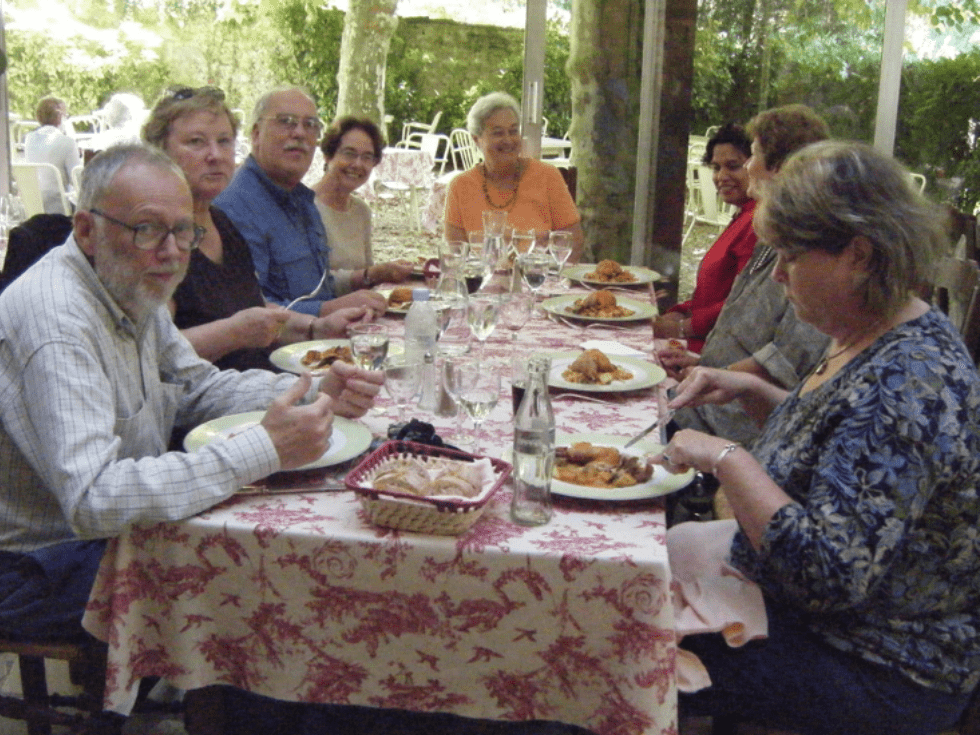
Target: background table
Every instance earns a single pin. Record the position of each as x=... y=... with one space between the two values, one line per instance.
x=298 y=597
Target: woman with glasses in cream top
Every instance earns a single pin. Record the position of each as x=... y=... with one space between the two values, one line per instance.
x=352 y=148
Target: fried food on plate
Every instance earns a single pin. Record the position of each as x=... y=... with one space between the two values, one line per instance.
x=319 y=359
x=400 y=298
x=601 y=304
x=609 y=271
x=594 y=367
x=586 y=464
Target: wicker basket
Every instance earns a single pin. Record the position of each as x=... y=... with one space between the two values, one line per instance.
x=439 y=515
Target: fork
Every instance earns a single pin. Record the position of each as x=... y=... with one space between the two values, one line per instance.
x=580 y=397
x=311 y=294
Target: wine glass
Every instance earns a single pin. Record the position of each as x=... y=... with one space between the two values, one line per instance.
x=560 y=247
x=534 y=270
x=515 y=310
x=522 y=241
x=454 y=331
x=450 y=381
x=479 y=390
x=368 y=345
x=482 y=310
x=403 y=378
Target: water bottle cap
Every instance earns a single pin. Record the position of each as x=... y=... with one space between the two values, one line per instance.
x=420 y=294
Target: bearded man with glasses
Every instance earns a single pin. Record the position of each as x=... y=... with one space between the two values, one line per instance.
x=276 y=214
x=94 y=376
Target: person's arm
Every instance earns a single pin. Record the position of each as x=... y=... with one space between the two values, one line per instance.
x=254 y=327
x=704 y=386
x=352 y=389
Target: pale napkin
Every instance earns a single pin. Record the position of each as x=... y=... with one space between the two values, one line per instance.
x=612 y=348
x=480 y=472
x=710 y=595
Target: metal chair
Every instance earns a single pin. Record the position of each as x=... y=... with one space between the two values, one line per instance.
x=437 y=146
x=462 y=150
x=704 y=205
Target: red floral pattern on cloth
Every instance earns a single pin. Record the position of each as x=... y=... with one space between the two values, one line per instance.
x=298 y=597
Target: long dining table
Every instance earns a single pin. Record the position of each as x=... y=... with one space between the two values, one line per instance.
x=296 y=596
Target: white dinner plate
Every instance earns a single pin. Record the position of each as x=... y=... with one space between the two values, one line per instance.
x=348 y=439
x=660 y=483
x=645 y=374
x=290 y=357
x=580 y=273
x=558 y=304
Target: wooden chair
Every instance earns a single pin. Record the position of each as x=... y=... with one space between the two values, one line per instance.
x=40 y=709
x=956 y=291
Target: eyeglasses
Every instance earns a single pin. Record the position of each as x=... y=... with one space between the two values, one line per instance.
x=350 y=155
x=311 y=125
x=185 y=93
x=150 y=236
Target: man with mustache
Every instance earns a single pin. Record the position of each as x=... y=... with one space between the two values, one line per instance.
x=276 y=214
x=94 y=376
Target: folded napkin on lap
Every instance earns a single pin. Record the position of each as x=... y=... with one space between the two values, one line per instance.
x=709 y=595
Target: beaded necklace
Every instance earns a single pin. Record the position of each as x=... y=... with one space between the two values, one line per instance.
x=513 y=197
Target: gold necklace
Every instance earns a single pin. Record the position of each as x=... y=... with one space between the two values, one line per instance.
x=513 y=197
x=821 y=367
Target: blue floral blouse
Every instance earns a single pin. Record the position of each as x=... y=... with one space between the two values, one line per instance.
x=881 y=549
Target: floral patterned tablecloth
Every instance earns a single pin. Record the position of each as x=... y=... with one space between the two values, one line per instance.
x=298 y=597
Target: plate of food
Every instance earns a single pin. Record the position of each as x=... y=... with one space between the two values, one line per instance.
x=399 y=299
x=609 y=273
x=348 y=439
x=314 y=357
x=599 y=306
x=593 y=371
x=596 y=467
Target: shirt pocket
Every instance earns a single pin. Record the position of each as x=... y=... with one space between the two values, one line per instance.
x=146 y=431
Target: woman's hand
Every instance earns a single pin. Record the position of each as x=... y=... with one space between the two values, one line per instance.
x=353 y=389
x=335 y=324
x=690 y=449
x=258 y=326
x=677 y=363
x=710 y=385
x=396 y=271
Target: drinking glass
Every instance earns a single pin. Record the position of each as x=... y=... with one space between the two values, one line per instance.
x=522 y=241
x=454 y=331
x=515 y=310
x=482 y=310
x=560 y=247
x=494 y=223
x=403 y=378
x=450 y=381
x=534 y=270
x=479 y=390
x=368 y=345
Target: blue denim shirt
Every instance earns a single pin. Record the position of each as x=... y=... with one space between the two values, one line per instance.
x=285 y=234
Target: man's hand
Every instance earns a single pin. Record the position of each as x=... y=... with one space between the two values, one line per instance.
x=300 y=433
x=352 y=389
x=364 y=299
x=395 y=271
x=335 y=324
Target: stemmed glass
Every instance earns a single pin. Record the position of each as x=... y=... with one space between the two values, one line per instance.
x=368 y=345
x=402 y=381
x=450 y=381
x=534 y=270
x=479 y=390
x=515 y=310
x=482 y=310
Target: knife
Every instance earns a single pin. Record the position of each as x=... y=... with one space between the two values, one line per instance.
x=662 y=421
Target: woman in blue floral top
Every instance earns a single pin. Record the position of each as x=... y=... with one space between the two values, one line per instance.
x=858 y=508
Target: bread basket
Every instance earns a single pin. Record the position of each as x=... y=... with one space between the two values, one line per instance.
x=447 y=516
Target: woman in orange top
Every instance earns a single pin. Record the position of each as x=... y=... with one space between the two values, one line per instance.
x=533 y=193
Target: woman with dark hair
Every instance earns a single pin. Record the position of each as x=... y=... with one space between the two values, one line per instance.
x=726 y=154
x=352 y=147
x=219 y=306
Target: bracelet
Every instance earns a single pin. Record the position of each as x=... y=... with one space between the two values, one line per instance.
x=309 y=330
x=726 y=450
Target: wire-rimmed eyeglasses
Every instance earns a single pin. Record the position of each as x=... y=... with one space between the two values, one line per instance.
x=150 y=235
x=310 y=125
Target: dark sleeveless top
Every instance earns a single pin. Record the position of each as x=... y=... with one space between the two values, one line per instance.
x=213 y=291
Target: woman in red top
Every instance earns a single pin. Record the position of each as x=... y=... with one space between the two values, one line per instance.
x=726 y=153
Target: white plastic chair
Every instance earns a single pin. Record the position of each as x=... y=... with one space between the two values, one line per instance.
x=412 y=132
x=918 y=180
x=32 y=180
x=432 y=143
x=704 y=205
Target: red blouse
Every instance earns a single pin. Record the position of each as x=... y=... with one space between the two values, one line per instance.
x=716 y=274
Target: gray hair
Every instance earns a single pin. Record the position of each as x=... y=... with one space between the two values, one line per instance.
x=123 y=109
x=262 y=103
x=98 y=173
x=484 y=107
x=828 y=193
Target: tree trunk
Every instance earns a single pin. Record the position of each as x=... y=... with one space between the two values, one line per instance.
x=368 y=29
